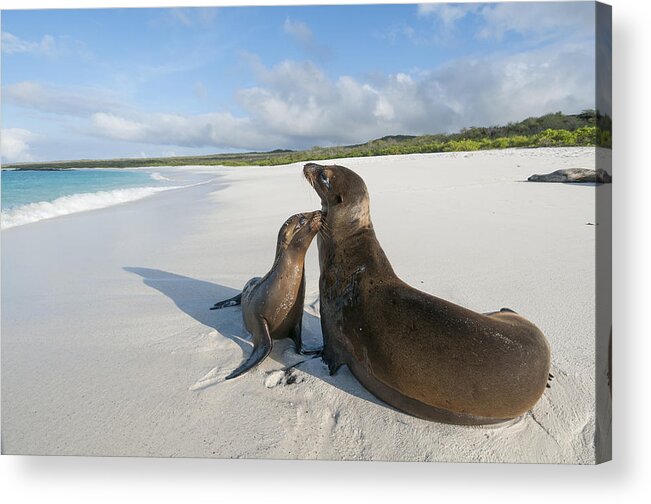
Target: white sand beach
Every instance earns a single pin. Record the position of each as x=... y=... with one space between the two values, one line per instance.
x=109 y=346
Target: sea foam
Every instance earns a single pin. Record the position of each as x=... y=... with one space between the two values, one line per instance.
x=65 y=205
x=158 y=176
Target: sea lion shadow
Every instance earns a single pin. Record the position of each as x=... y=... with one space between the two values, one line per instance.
x=195 y=297
x=585 y=184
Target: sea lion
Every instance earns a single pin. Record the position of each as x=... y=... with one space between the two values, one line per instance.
x=421 y=354
x=272 y=306
x=574 y=175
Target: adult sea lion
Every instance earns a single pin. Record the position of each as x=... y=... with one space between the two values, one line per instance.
x=574 y=175
x=419 y=353
x=272 y=306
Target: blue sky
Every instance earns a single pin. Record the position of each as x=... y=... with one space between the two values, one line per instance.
x=100 y=83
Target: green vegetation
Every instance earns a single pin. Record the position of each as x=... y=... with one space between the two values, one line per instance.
x=551 y=130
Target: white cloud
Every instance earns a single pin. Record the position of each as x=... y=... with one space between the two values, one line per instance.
x=298 y=102
x=532 y=19
x=75 y=102
x=295 y=105
x=15 y=144
x=118 y=128
x=513 y=87
x=12 y=44
x=190 y=16
x=448 y=14
x=180 y=16
x=299 y=30
x=220 y=129
x=49 y=46
x=303 y=35
x=537 y=18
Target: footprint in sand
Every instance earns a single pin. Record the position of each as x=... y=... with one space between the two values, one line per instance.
x=283 y=377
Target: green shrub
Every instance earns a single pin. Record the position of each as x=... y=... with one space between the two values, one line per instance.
x=461 y=145
x=520 y=141
x=586 y=135
x=555 y=138
x=501 y=143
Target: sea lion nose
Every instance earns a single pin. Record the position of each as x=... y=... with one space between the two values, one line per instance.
x=310 y=169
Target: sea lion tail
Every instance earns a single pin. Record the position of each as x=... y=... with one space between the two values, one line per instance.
x=226 y=303
x=261 y=348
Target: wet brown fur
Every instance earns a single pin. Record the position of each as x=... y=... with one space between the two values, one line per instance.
x=272 y=306
x=419 y=353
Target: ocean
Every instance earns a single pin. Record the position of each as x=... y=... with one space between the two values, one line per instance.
x=33 y=195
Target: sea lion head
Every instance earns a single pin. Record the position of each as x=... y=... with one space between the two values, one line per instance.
x=297 y=231
x=343 y=193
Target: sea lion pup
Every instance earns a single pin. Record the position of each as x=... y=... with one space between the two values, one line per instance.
x=421 y=354
x=272 y=306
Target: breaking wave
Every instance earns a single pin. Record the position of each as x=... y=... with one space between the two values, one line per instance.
x=158 y=176
x=65 y=205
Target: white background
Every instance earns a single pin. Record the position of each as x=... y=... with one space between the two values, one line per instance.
x=626 y=479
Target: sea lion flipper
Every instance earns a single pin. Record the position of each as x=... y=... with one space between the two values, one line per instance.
x=234 y=301
x=261 y=348
x=296 y=335
x=331 y=359
x=297 y=331
x=333 y=366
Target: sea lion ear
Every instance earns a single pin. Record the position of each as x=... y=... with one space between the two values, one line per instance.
x=339 y=199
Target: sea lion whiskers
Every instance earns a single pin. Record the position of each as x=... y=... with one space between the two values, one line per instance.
x=308 y=192
x=310 y=180
x=325 y=229
x=325 y=226
x=324 y=234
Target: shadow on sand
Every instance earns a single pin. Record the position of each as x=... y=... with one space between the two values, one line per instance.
x=195 y=297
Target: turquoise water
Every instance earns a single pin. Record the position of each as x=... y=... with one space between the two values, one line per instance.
x=24 y=187
x=32 y=196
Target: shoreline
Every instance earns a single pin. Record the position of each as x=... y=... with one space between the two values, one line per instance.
x=37 y=211
x=15 y=167
x=109 y=347
x=90 y=201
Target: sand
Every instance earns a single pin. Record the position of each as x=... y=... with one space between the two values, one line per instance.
x=109 y=348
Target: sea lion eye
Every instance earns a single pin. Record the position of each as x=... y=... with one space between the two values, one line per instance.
x=302 y=220
x=324 y=179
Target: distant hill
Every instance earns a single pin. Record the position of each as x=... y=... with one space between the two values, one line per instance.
x=557 y=129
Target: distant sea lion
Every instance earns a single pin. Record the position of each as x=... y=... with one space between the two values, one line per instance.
x=272 y=306
x=575 y=175
x=421 y=354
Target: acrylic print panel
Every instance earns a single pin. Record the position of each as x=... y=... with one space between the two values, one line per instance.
x=409 y=223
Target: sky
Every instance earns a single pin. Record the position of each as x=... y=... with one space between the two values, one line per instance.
x=106 y=83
